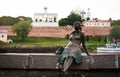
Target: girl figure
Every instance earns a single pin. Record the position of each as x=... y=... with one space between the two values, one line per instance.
x=72 y=51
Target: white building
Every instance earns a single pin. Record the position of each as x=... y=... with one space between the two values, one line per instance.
x=3 y=35
x=45 y=19
x=97 y=23
x=82 y=13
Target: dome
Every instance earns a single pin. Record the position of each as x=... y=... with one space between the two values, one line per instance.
x=77 y=9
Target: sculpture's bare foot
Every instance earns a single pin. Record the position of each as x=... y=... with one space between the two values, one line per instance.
x=58 y=66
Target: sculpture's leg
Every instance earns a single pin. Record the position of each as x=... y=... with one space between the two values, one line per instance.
x=67 y=64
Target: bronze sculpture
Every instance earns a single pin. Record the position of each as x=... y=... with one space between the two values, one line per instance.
x=72 y=51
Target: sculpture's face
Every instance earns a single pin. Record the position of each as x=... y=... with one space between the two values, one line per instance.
x=76 y=27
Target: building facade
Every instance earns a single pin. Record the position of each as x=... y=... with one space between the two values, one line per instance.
x=3 y=35
x=97 y=23
x=45 y=19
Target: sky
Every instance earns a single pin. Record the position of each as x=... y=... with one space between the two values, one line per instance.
x=101 y=9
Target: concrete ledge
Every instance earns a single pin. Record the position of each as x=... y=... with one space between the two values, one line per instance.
x=105 y=62
x=119 y=61
x=48 y=61
x=43 y=61
x=13 y=61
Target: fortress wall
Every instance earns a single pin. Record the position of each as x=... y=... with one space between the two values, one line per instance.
x=60 y=31
x=50 y=31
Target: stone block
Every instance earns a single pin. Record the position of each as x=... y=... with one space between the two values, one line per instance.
x=44 y=73
x=13 y=60
x=43 y=61
x=49 y=62
x=84 y=65
x=119 y=62
x=104 y=62
x=13 y=73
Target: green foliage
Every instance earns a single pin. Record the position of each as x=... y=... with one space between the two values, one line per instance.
x=28 y=19
x=22 y=29
x=87 y=18
x=115 y=32
x=3 y=43
x=70 y=19
x=73 y=17
x=63 y=22
x=50 y=41
x=115 y=22
x=39 y=41
x=99 y=38
x=8 y=20
x=87 y=38
x=91 y=48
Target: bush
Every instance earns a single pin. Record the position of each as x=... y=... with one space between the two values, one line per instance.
x=3 y=43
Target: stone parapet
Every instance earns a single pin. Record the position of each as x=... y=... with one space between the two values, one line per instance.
x=43 y=65
x=49 y=60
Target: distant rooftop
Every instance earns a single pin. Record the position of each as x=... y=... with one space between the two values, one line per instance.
x=3 y=31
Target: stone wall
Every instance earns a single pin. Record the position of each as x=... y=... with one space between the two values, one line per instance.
x=41 y=62
x=60 y=31
x=43 y=65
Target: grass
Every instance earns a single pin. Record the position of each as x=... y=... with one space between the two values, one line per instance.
x=41 y=41
x=50 y=41
x=3 y=43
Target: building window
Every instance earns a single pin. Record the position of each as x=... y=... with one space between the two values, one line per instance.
x=97 y=23
x=90 y=24
x=2 y=36
x=40 y=20
x=46 y=20
x=54 y=19
x=103 y=24
x=36 y=20
x=50 y=20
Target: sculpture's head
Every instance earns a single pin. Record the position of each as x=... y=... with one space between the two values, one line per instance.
x=77 y=25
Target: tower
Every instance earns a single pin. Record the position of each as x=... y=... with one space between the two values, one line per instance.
x=45 y=10
x=88 y=13
x=77 y=10
x=45 y=14
x=83 y=14
x=45 y=19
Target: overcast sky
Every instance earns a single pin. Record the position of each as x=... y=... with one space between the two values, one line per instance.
x=102 y=9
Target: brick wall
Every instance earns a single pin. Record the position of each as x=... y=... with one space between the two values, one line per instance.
x=60 y=31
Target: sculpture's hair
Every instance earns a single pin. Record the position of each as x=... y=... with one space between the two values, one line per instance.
x=77 y=23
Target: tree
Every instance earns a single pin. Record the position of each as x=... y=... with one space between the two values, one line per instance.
x=70 y=19
x=115 y=32
x=99 y=38
x=88 y=18
x=7 y=20
x=73 y=17
x=115 y=22
x=105 y=39
x=87 y=38
x=63 y=22
x=22 y=29
x=28 y=19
